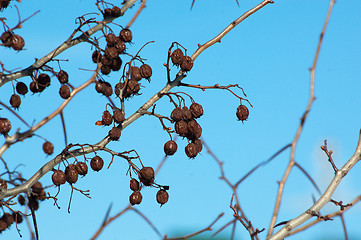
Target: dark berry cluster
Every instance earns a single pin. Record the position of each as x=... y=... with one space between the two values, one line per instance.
x=186 y=126
x=9 y=39
x=179 y=59
x=107 y=119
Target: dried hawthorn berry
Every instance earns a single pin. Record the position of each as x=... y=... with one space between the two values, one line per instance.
x=21 y=200
x=63 y=77
x=17 y=217
x=186 y=114
x=126 y=35
x=33 y=203
x=176 y=114
x=71 y=175
x=191 y=150
x=21 y=88
x=104 y=88
x=111 y=52
x=44 y=80
x=133 y=87
x=181 y=128
x=194 y=130
x=177 y=57
x=242 y=113
x=37 y=187
x=15 y=101
x=17 y=42
x=3 y=184
x=96 y=163
x=162 y=196
x=187 y=64
x=196 y=110
x=170 y=147
x=116 y=64
x=146 y=176
x=8 y=219
x=120 y=46
x=5 y=38
x=3 y=225
x=111 y=39
x=119 y=86
x=96 y=56
x=116 y=12
x=135 y=198
x=4 y=4
x=135 y=73
x=5 y=125
x=107 y=13
x=48 y=147
x=106 y=61
x=114 y=134
x=145 y=71
x=35 y=87
x=107 y=118
x=118 y=116
x=64 y=91
x=198 y=144
x=105 y=69
x=58 y=177
x=99 y=87
x=81 y=168
x=134 y=184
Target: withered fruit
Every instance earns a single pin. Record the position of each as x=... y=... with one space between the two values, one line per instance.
x=135 y=73
x=114 y=134
x=43 y=80
x=146 y=176
x=146 y=71
x=162 y=196
x=134 y=184
x=63 y=77
x=18 y=217
x=111 y=39
x=64 y=91
x=105 y=69
x=198 y=144
x=96 y=163
x=176 y=114
x=96 y=56
x=48 y=147
x=126 y=35
x=5 y=125
x=116 y=64
x=17 y=42
x=135 y=198
x=58 y=177
x=242 y=113
x=21 y=200
x=194 y=130
x=3 y=184
x=196 y=110
x=170 y=147
x=186 y=114
x=15 y=101
x=181 y=128
x=111 y=52
x=118 y=116
x=81 y=168
x=187 y=64
x=71 y=175
x=116 y=12
x=8 y=219
x=21 y=88
x=191 y=150
x=107 y=118
x=177 y=57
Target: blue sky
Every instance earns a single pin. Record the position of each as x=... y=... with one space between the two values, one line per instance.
x=268 y=55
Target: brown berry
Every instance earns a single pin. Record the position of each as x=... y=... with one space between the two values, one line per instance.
x=177 y=57
x=133 y=87
x=96 y=56
x=5 y=125
x=162 y=197
x=6 y=38
x=105 y=69
x=198 y=144
x=111 y=52
x=134 y=184
x=242 y=113
x=145 y=71
x=35 y=87
x=146 y=176
x=187 y=64
x=107 y=13
x=126 y=35
x=3 y=184
x=58 y=177
x=135 y=198
x=135 y=73
x=48 y=147
x=33 y=203
x=18 y=217
x=17 y=42
x=191 y=150
x=118 y=116
x=114 y=133
x=194 y=130
x=181 y=128
x=111 y=39
x=186 y=114
x=81 y=168
x=3 y=225
x=116 y=64
x=176 y=114
x=8 y=219
x=21 y=200
x=71 y=175
x=196 y=110
x=116 y=12
x=170 y=147
x=120 y=46
x=37 y=187
x=15 y=101
x=107 y=118
x=64 y=91
x=21 y=88
x=96 y=163
x=63 y=77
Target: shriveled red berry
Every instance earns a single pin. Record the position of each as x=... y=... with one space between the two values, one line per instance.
x=107 y=118
x=15 y=101
x=81 y=168
x=186 y=114
x=44 y=80
x=21 y=88
x=105 y=69
x=48 y=147
x=134 y=184
x=17 y=42
x=126 y=35
x=120 y=46
x=176 y=114
x=181 y=128
x=177 y=57
x=191 y=150
x=194 y=130
x=146 y=176
x=58 y=177
x=116 y=64
x=135 y=198
x=71 y=175
x=111 y=52
x=64 y=91
x=111 y=39
x=96 y=163
x=63 y=77
x=6 y=38
x=133 y=87
x=187 y=64
x=114 y=134
x=118 y=116
x=162 y=196
x=146 y=71
x=198 y=144
x=3 y=184
x=5 y=125
x=135 y=73
x=170 y=147
x=35 y=87
x=242 y=113
x=196 y=110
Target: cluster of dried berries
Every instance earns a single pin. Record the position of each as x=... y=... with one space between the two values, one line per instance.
x=187 y=126
x=107 y=119
x=12 y=40
x=64 y=90
x=37 y=194
x=179 y=59
x=112 y=12
x=242 y=113
x=40 y=83
x=8 y=219
x=104 y=88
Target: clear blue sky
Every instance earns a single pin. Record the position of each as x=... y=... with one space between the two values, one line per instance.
x=268 y=55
